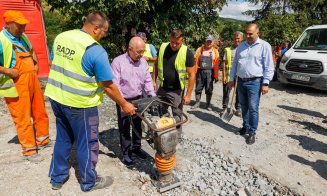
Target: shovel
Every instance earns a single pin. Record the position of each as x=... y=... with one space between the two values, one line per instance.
x=229 y=112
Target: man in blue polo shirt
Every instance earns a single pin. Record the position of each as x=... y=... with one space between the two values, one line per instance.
x=80 y=72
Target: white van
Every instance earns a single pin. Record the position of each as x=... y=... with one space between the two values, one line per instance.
x=305 y=63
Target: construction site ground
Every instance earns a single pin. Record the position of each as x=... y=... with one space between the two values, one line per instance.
x=290 y=148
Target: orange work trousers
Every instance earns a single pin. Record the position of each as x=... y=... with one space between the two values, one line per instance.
x=29 y=104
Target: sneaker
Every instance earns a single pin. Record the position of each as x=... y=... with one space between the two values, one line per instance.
x=140 y=154
x=102 y=182
x=242 y=131
x=34 y=158
x=57 y=186
x=49 y=144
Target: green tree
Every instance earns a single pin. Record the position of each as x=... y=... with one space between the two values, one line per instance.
x=157 y=17
x=284 y=20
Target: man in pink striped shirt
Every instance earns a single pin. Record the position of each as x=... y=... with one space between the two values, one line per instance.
x=132 y=78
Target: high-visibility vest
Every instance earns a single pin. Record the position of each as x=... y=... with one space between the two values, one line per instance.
x=148 y=54
x=7 y=86
x=179 y=64
x=228 y=66
x=68 y=84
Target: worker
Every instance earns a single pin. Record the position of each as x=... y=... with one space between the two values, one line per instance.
x=174 y=67
x=150 y=53
x=227 y=64
x=206 y=62
x=21 y=88
x=79 y=74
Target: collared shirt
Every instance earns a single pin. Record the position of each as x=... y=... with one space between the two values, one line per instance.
x=253 y=61
x=132 y=77
x=16 y=41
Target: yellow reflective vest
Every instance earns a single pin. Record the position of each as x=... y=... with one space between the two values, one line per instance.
x=179 y=64
x=228 y=66
x=7 y=86
x=68 y=84
x=148 y=54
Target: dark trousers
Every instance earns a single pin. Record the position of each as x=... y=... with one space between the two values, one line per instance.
x=175 y=98
x=226 y=96
x=204 y=80
x=128 y=142
x=79 y=125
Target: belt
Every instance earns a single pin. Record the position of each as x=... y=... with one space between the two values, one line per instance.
x=248 y=79
x=134 y=98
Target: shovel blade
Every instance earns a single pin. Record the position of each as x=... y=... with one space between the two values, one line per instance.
x=228 y=114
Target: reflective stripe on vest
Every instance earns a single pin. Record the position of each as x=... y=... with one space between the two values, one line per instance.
x=228 y=66
x=68 y=84
x=148 y=54
x=7 y=86
x=180 y=66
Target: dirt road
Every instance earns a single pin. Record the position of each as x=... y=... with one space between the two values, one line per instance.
x=291 y=148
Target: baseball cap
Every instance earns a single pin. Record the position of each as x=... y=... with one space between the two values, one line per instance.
x=141 y=35
x=15 y=16
x=209 y=38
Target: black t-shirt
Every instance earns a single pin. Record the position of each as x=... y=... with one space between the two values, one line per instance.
x=171 y=79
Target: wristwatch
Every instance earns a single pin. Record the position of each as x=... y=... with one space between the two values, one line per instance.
x=264 y=84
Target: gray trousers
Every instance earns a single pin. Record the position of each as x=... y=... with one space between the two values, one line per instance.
x=175 y=98
x=204 y=80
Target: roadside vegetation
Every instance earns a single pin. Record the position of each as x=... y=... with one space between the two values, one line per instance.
x=280 y=20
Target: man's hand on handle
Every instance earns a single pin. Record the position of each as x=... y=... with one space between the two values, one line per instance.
x=128 y=108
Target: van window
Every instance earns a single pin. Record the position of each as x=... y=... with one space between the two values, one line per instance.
x=313 y=39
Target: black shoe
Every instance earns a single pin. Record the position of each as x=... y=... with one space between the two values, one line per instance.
x=57 y=186
x=140 y=154
x=238 y=113
x=242 y=131
x=127 y=160
x=102 y=182
x=250 y=140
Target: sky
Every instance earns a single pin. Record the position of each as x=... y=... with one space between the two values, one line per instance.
x=235 y=9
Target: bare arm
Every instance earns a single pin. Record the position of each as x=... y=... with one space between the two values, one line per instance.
x=112 y=91
x=13 y=73
x=155 y=74
x=36 y=61
x=191 y=81
x=224 y=71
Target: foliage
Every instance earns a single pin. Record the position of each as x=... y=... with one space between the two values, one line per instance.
x=156 y=17
x=53 y=23
x=284 y=20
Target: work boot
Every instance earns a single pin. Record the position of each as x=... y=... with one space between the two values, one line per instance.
x=208 y=106
x=47 y=145
x=34 y=158
x=197 y=101
x=102 y=182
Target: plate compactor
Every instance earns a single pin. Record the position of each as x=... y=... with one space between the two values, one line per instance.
x=159 y=129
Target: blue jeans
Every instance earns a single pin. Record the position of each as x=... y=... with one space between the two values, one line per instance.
x=79 y=125
x=249 y=97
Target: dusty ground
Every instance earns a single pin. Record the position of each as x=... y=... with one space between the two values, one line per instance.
x=291 y=147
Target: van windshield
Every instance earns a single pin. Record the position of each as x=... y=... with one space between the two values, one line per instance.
x=313 y=39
